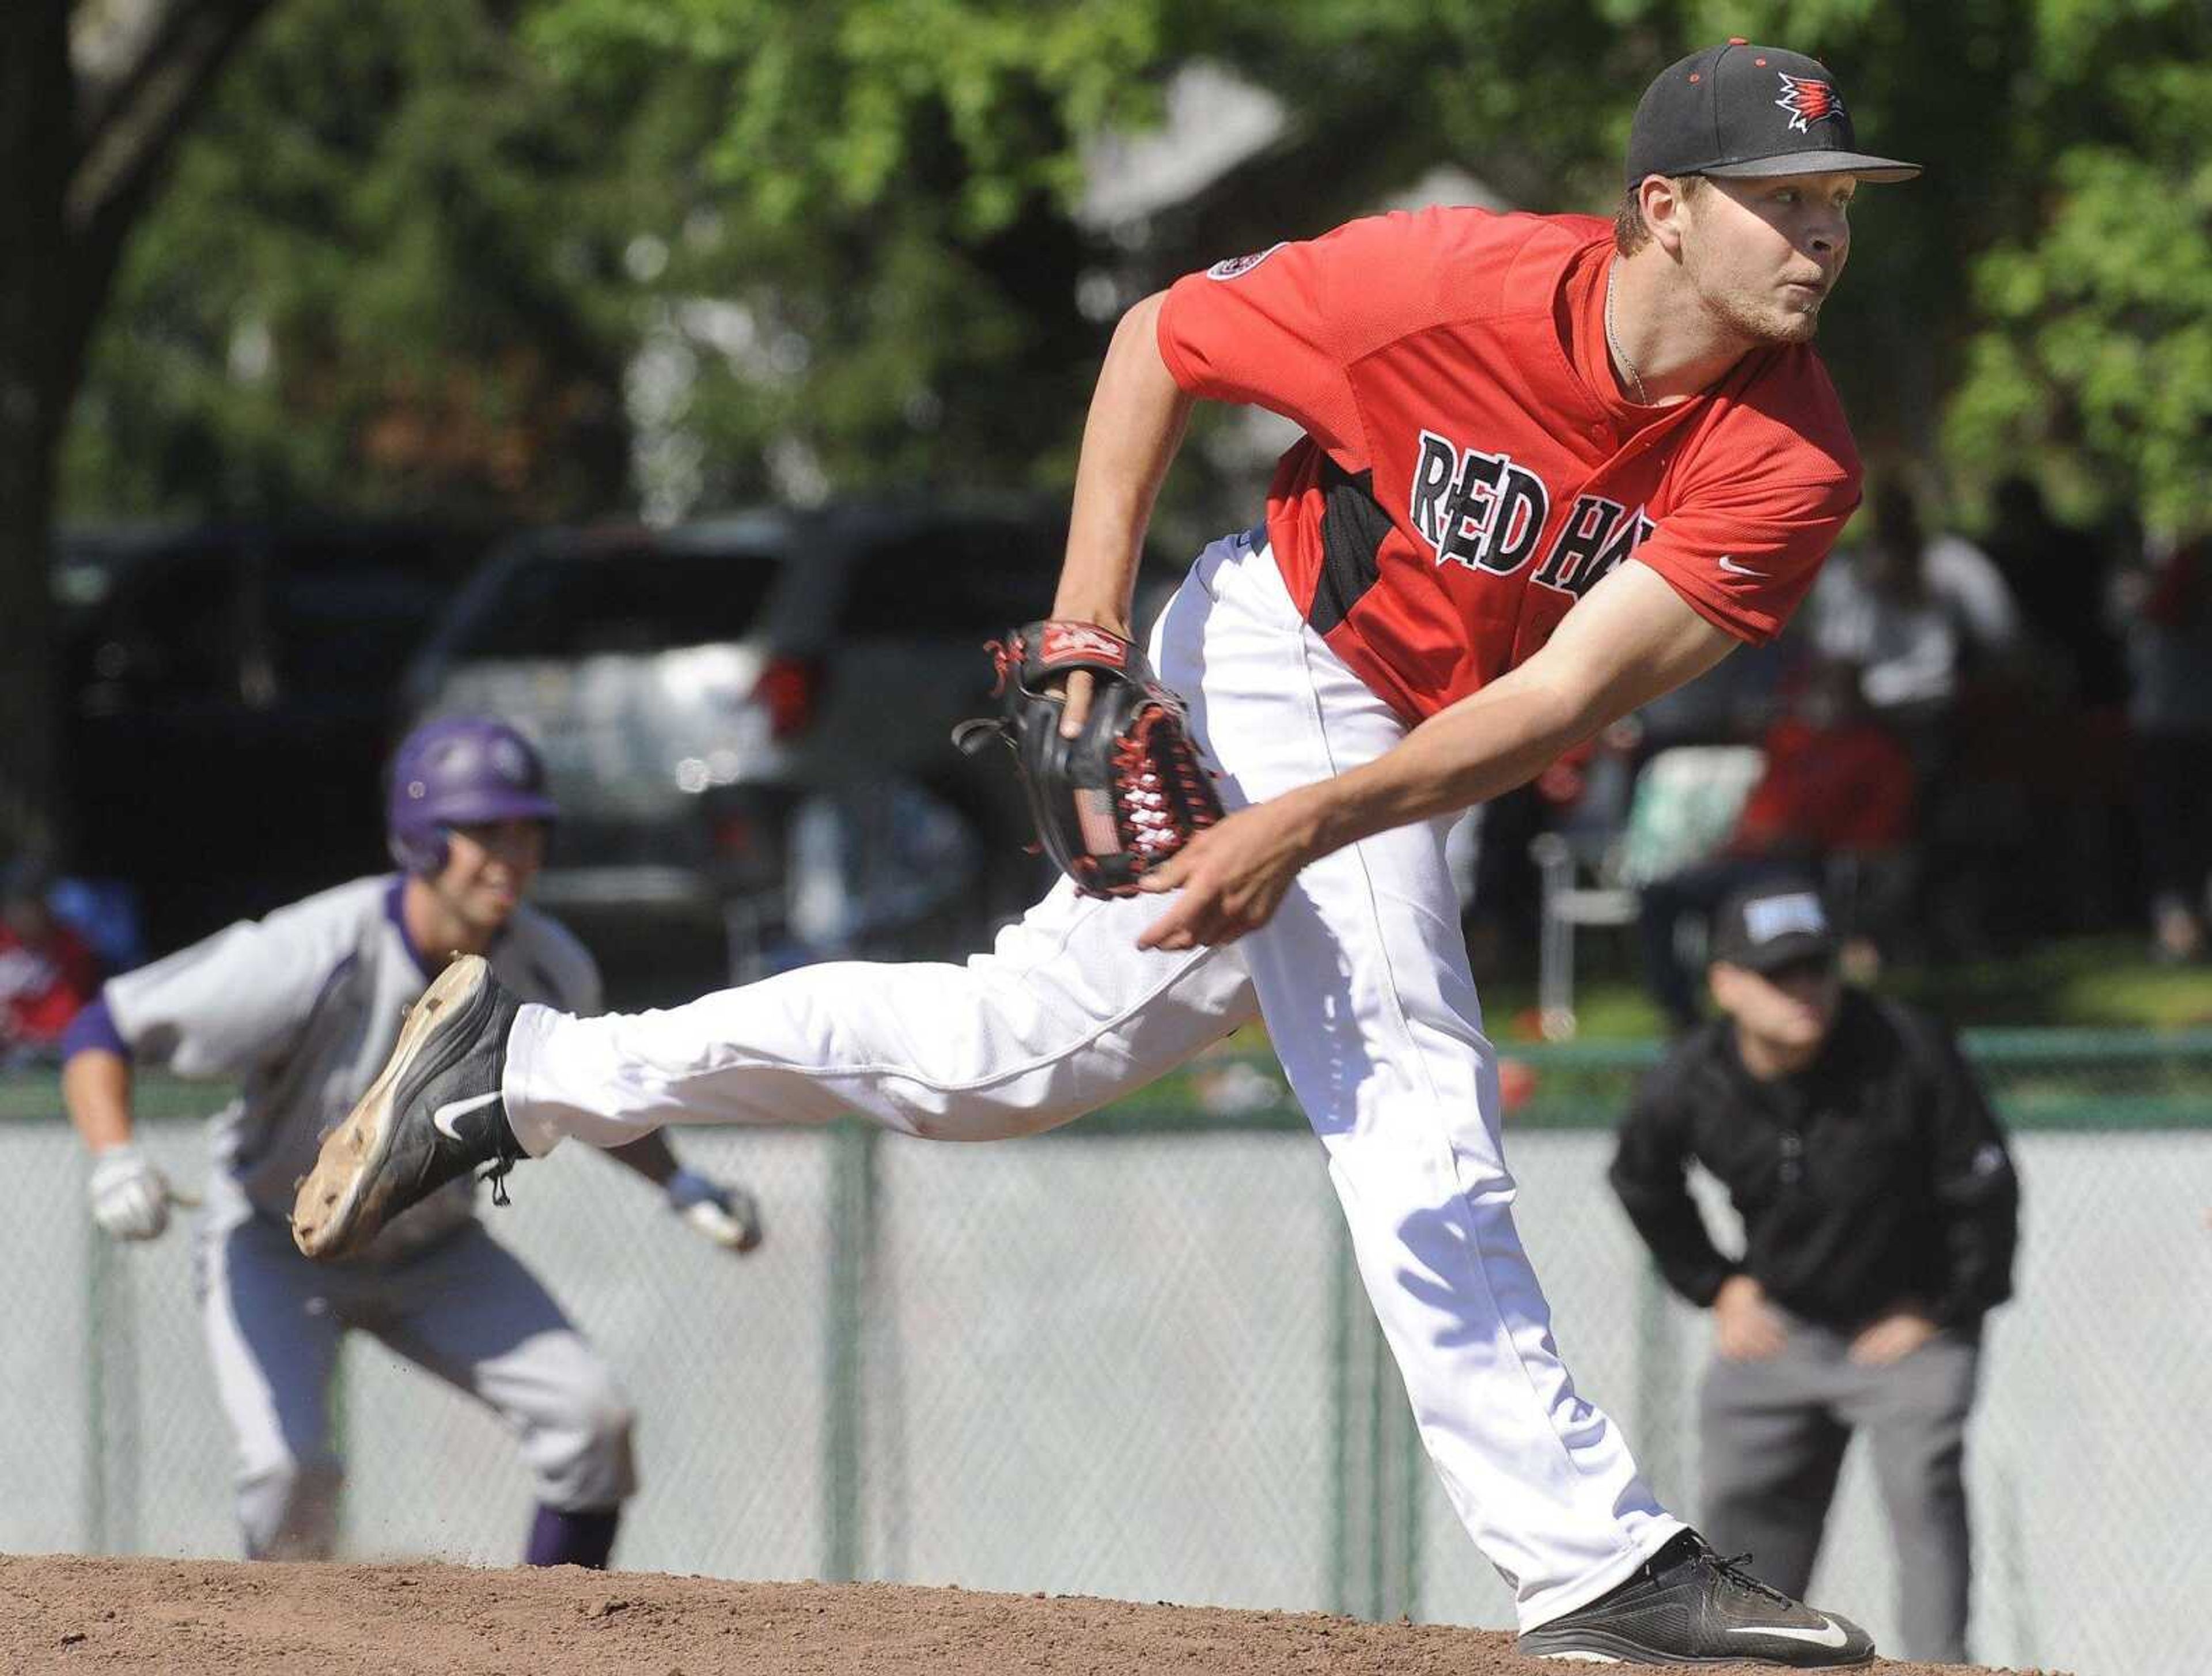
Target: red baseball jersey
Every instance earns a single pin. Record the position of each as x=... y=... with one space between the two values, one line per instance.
x=1470 y=466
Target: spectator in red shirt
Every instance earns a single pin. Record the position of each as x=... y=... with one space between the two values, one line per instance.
x=1835 y=777
x=1836 y=791
x=46 y=971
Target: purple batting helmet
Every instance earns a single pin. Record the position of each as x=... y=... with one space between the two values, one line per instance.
x=459 y=771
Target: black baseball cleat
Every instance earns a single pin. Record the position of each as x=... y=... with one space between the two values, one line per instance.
x=433 y=1113
x=1689 y=1606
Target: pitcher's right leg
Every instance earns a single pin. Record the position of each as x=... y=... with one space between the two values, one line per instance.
x=1064 y=1015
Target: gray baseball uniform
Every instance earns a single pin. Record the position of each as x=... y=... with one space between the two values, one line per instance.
x=303 y=1009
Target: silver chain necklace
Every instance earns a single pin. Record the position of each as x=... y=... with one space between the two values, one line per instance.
x=1613 y=343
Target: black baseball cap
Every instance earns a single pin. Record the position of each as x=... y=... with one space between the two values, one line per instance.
x=1738 y=111
x=1781 y=923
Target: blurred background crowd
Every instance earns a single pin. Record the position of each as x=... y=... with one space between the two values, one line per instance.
x=1976 y=742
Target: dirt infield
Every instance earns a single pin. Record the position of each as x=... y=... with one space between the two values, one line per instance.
x=189 y=1616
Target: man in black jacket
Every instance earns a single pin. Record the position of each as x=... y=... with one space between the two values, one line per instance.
x=1880 y=1212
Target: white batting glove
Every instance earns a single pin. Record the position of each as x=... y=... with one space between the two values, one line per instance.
x=730 y=1216
x=130 y=1195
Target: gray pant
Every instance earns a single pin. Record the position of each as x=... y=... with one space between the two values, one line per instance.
x=1773 y=1434
x=465 y=1310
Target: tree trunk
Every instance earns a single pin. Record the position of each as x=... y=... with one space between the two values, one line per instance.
x=81 y=159
x=29 y=715
x=38 y=361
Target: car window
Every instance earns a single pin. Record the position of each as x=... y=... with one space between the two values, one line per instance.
x=634 y=600
x=951 y=579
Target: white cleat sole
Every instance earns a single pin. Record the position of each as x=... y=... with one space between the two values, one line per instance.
x=328 y=1202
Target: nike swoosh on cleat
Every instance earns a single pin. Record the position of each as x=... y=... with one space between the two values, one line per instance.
x=1829 y=1634
x=442 y=1121
x=1728 y=563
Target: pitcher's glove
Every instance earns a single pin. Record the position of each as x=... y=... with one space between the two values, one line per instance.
x=1128 y=791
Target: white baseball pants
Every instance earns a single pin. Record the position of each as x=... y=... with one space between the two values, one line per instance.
x=1361 y=977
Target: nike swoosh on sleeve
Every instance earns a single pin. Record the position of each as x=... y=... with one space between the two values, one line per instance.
x=1728 y=563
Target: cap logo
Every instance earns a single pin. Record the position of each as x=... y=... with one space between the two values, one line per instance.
x=1781 y=916
x=1808 y=101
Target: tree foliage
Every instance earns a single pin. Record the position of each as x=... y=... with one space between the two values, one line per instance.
x=92 y=97
x=2091 y=353
x=567 y=255
x=552 y=255
x=381 y=274
x=2036 y=300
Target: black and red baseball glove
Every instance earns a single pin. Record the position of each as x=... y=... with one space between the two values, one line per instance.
x=1126 y=792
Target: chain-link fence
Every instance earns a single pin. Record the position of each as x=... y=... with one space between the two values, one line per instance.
x=1132 y=1359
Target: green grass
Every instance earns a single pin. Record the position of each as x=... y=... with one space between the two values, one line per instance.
x=2102 y=983
x=2087 y=982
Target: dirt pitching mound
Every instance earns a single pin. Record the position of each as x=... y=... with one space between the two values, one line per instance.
x=183 y=1618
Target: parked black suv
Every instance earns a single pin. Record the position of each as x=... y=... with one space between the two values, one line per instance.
x=230 y=700
x=690 y=687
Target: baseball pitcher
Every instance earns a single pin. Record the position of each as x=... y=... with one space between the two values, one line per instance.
x=1550 y=469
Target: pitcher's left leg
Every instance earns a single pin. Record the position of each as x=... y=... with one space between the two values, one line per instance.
x=1363 y=979
x=1370 y=1006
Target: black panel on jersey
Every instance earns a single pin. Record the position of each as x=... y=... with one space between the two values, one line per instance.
x=1352 y=527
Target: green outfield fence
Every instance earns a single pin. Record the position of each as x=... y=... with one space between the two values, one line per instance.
x=1132 y=1359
